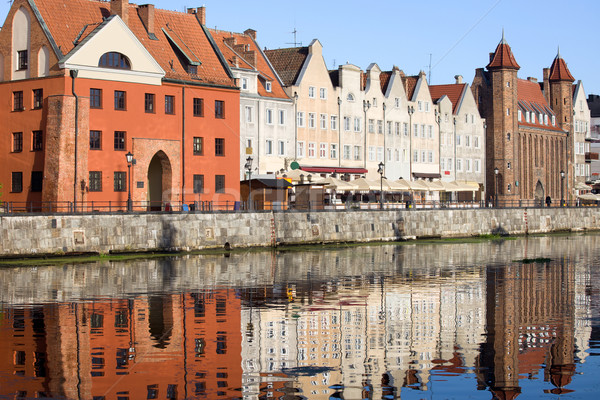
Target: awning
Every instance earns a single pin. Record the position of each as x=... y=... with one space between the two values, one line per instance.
x=424 y=175
x=336 y=184
x=337 y=170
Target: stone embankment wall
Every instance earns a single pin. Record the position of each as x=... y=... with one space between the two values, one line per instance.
x=57 y=234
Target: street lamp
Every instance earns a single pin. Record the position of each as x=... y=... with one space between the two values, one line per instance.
x=562 y=187
x=129 y=158
x=496 y=171
x=248 y=167
x=380 y=171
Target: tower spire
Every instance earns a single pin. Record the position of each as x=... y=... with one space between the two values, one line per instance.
x=503 y=41
x=558 y=53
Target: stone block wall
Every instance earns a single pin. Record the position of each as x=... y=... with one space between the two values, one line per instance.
x=62 y=234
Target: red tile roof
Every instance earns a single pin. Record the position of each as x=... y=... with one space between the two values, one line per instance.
x=363 y=80
x=503 y=57
x=559 y=70
x=410 y=83
x=66 y=19
x=238 y=45
x=384 y=79
x=288 y=62
x=531 y=98
x=453 y=91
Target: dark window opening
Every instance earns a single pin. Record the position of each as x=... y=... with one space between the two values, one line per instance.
x=22 y=60
x=37 y=141
x=119 y=100
x=219 y=183
x=114 y=60
x=120 y=181
x=219 y=109
x=37 y=178
x=198 y=183
x=17 y=182
x=95 y=140
x=18 y=101
x=169 y=104
x=198 y=146
x=95 y=181
x=219 y=147
x=149 y=103
x=198 y=107
x=119 y=140
x=17 y=142
x=95 y=98
x=38 y=98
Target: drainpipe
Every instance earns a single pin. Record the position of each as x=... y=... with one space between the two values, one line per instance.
x=73 y=73
x=295 y=126
x=411 y=111
x=454 y=121
x=257 y=136
x=385 y=133
x=339 y=120
x=182 y=144
x=366 y=106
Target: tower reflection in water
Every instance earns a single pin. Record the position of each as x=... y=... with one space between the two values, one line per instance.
x=251 y=327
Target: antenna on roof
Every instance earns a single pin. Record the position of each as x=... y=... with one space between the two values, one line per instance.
x=296 y=43
x=429 y=74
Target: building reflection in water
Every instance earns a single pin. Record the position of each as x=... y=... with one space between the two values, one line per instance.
x=360 y=323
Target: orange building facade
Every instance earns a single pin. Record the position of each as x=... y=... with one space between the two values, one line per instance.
x=119 y=78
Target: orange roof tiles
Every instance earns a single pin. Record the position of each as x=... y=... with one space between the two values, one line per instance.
x=288 y=62
x=503 y=57
x=559 y=70
x=239 y=45
x=410 y=83
x=453 y=91
x=531 y=98
x=384 y=79
x=67 y=19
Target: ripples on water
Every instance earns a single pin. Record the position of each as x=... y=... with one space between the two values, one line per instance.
x=414 y=321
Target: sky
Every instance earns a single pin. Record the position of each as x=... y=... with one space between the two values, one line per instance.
x=445 y=37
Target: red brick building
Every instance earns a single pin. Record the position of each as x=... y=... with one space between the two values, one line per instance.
x=529 y=129
x=84 y=82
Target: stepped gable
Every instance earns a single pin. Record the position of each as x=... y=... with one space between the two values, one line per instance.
x=288 y=62
x=172 y=29
x=241 y=51
x=559 y=70
x=503 y=57
x=531 y=98
x=454 y=92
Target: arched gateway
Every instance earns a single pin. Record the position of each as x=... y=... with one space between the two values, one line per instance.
x=159 y=181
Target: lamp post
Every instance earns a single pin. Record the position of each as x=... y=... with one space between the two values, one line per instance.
x=129 y=158
x=411 y=111
x=366 y=107
x=562 y=187
x=248 y=167
x=380 y=171
x=496 y=171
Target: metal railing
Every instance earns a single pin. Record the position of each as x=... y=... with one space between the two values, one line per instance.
x=115 y=207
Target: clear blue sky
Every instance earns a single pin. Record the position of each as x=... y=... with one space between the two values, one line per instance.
x=458 y=34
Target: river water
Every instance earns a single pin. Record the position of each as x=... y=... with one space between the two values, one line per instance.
x=495 y=319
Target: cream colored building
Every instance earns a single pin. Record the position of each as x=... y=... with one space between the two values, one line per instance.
x=582 y=134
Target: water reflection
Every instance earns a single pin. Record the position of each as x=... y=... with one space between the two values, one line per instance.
x=356 y=323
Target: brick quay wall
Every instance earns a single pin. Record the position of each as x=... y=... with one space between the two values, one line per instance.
x=103 y=233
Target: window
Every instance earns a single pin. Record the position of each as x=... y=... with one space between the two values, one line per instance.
x=95 y=181
x=476 y=142
x=323 y=93
x=468 y=164
x=346 y=152
x=415 y=156
x=149 y=102
x=281 y=148
x=467 y=141
x=323 y=150
x=119 y=140
x=95 y=140
x=38 y=98
x=397 y=128
x=16 y=182
x=219 y=109
x=450 y=164
x=311 y=92
x=379 y=126
x=374 y=102
x=244 y=83
x=169 y=104
x=423 y=130
x=269 y=116
x=311 y=120
x=248 y=111
x=459 y=164
x=18 y=101
x=119 y=100
x=420 y=105
x=430 y=156
x=114 y=60
x=423 y=156
x=458 y=140
x=95 y=98
x=371 y=153
x=357 y=153
x=430 y=131
x=119 y=181
x=371 y=125
x=357 y=124
x=426 y=106
x=397 y=102
x=301 y=149
x=405 y=128
x=269 y=147
x=219 y=147
x=415 y=130
x=334 y=123
x=300 y=118
x=198 y=146
x=477 y=165
x=323 y=121
x=281 y=117
x=333 y=150
x=311 y=149
x=268 y=87
x=219 y=183
x=442 y=164
x=198 y=183
x=37 y=141
x=17 y=142
x=198 y=105
x=22 y=60
x=37 y=178
x=347 y=124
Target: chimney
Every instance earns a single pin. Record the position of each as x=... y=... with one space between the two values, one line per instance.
x=201 y=15
x=251 y=33
x=235 y=62
x=532 y=79
x=459 y=79
x=120 y=8
x=230 y=41
x=546 y=84
x=250 y=57
x=146 y=13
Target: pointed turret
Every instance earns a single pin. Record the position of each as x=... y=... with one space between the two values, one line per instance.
x=503 y=56
x=559 y=70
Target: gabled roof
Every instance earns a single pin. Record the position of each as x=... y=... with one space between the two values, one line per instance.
x=334 y=75
x=454 y=92
x=288 y=62
x=384 y=80
x=531 y=99
x=239 y=46
x=70 y=22
x=410 y=83
x=559 y=70
x=363 y=80
x=503 y=57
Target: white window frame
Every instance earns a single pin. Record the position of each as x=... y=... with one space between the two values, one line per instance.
x=311 y=92
x=268 y=86
x=244 y=83
x=323 y=93
x=248 y=114
x=300 y=119
x=312 y=150
x=347 y=124
x=334 y=122
x=281 y=148
x=323 y=121
x=371 y=153
x=281 y=114
x=357 y=153
x=269 y=147
x=347 y=152
x=322 y=150
x=300 y=149
x=269 y=116
x=333 y=151
x=311 y=120
x=357 y=124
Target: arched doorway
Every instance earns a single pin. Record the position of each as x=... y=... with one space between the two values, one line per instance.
x=539 y=193
x=159 y=181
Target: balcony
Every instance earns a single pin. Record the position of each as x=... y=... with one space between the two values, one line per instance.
x=591 y=156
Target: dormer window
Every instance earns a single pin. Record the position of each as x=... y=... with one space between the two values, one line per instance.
x=519 y=115
x=527 y=117
x=268 y=86
x=545 y=119
x=244 y=83
x=192 y=69
x=114 y=60
x=553 y=120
